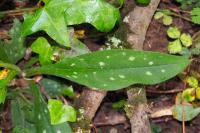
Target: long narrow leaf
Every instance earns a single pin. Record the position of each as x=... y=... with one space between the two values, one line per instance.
x=116 y=69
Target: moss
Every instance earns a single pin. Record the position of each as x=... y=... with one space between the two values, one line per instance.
x=137 y=96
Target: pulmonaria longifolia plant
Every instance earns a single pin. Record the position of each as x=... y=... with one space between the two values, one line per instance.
x=104 y=70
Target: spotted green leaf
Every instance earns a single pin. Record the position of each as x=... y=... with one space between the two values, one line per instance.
x=55 y=87
x=115 y=69
x=60 y=113
x=190 y=112
x=173 y=32
x=13 y=51
x=42 y=116
x=99 y=13
x=43 y=48
x=22 y=116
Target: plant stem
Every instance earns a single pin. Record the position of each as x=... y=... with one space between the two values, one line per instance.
x=173 y=13
x=18 y=11
x=30 y=62
x=11 y=66
x=180 y=16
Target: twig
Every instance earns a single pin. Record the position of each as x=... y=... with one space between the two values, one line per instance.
x=165 y=91
x=177 y=15
x=18 y=11
x=180 y=16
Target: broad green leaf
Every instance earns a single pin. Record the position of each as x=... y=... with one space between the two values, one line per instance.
x=115 y=69
x=60 y=113
x=43 y=48
x=50 y=19
x=186 y=39
x=173 y=32
x=4 y=82
x=13 y=51
x=189 y=112
x=55 y=87
x=19 y=112
x=195 y=15
x=42 y=117
x=57 y=14
x=98 y=13
x=167 y=20
x=192 y=81
x=77 y=48
x=158 y=15
x=189 y=94
x=175 y=47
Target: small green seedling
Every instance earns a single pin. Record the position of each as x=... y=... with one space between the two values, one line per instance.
x=60 y=113
x=182 y=40
x=186 y=98
x=165 y=15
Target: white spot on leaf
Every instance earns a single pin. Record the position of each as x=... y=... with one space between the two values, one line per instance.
x=94 y=72
x=75 y=73
x=101 y=63
x=123 y=53
x=39 y=116
x=131 y=58
x=44 y=131
x=151 y=63
x=111 y=78
x=148 y=73
x=107 y=57
x=58 y=131
x=74 y=76
x=45 y=111
x=163 y=70
x=73 y=64
x=121 y=76
x=105 y=85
